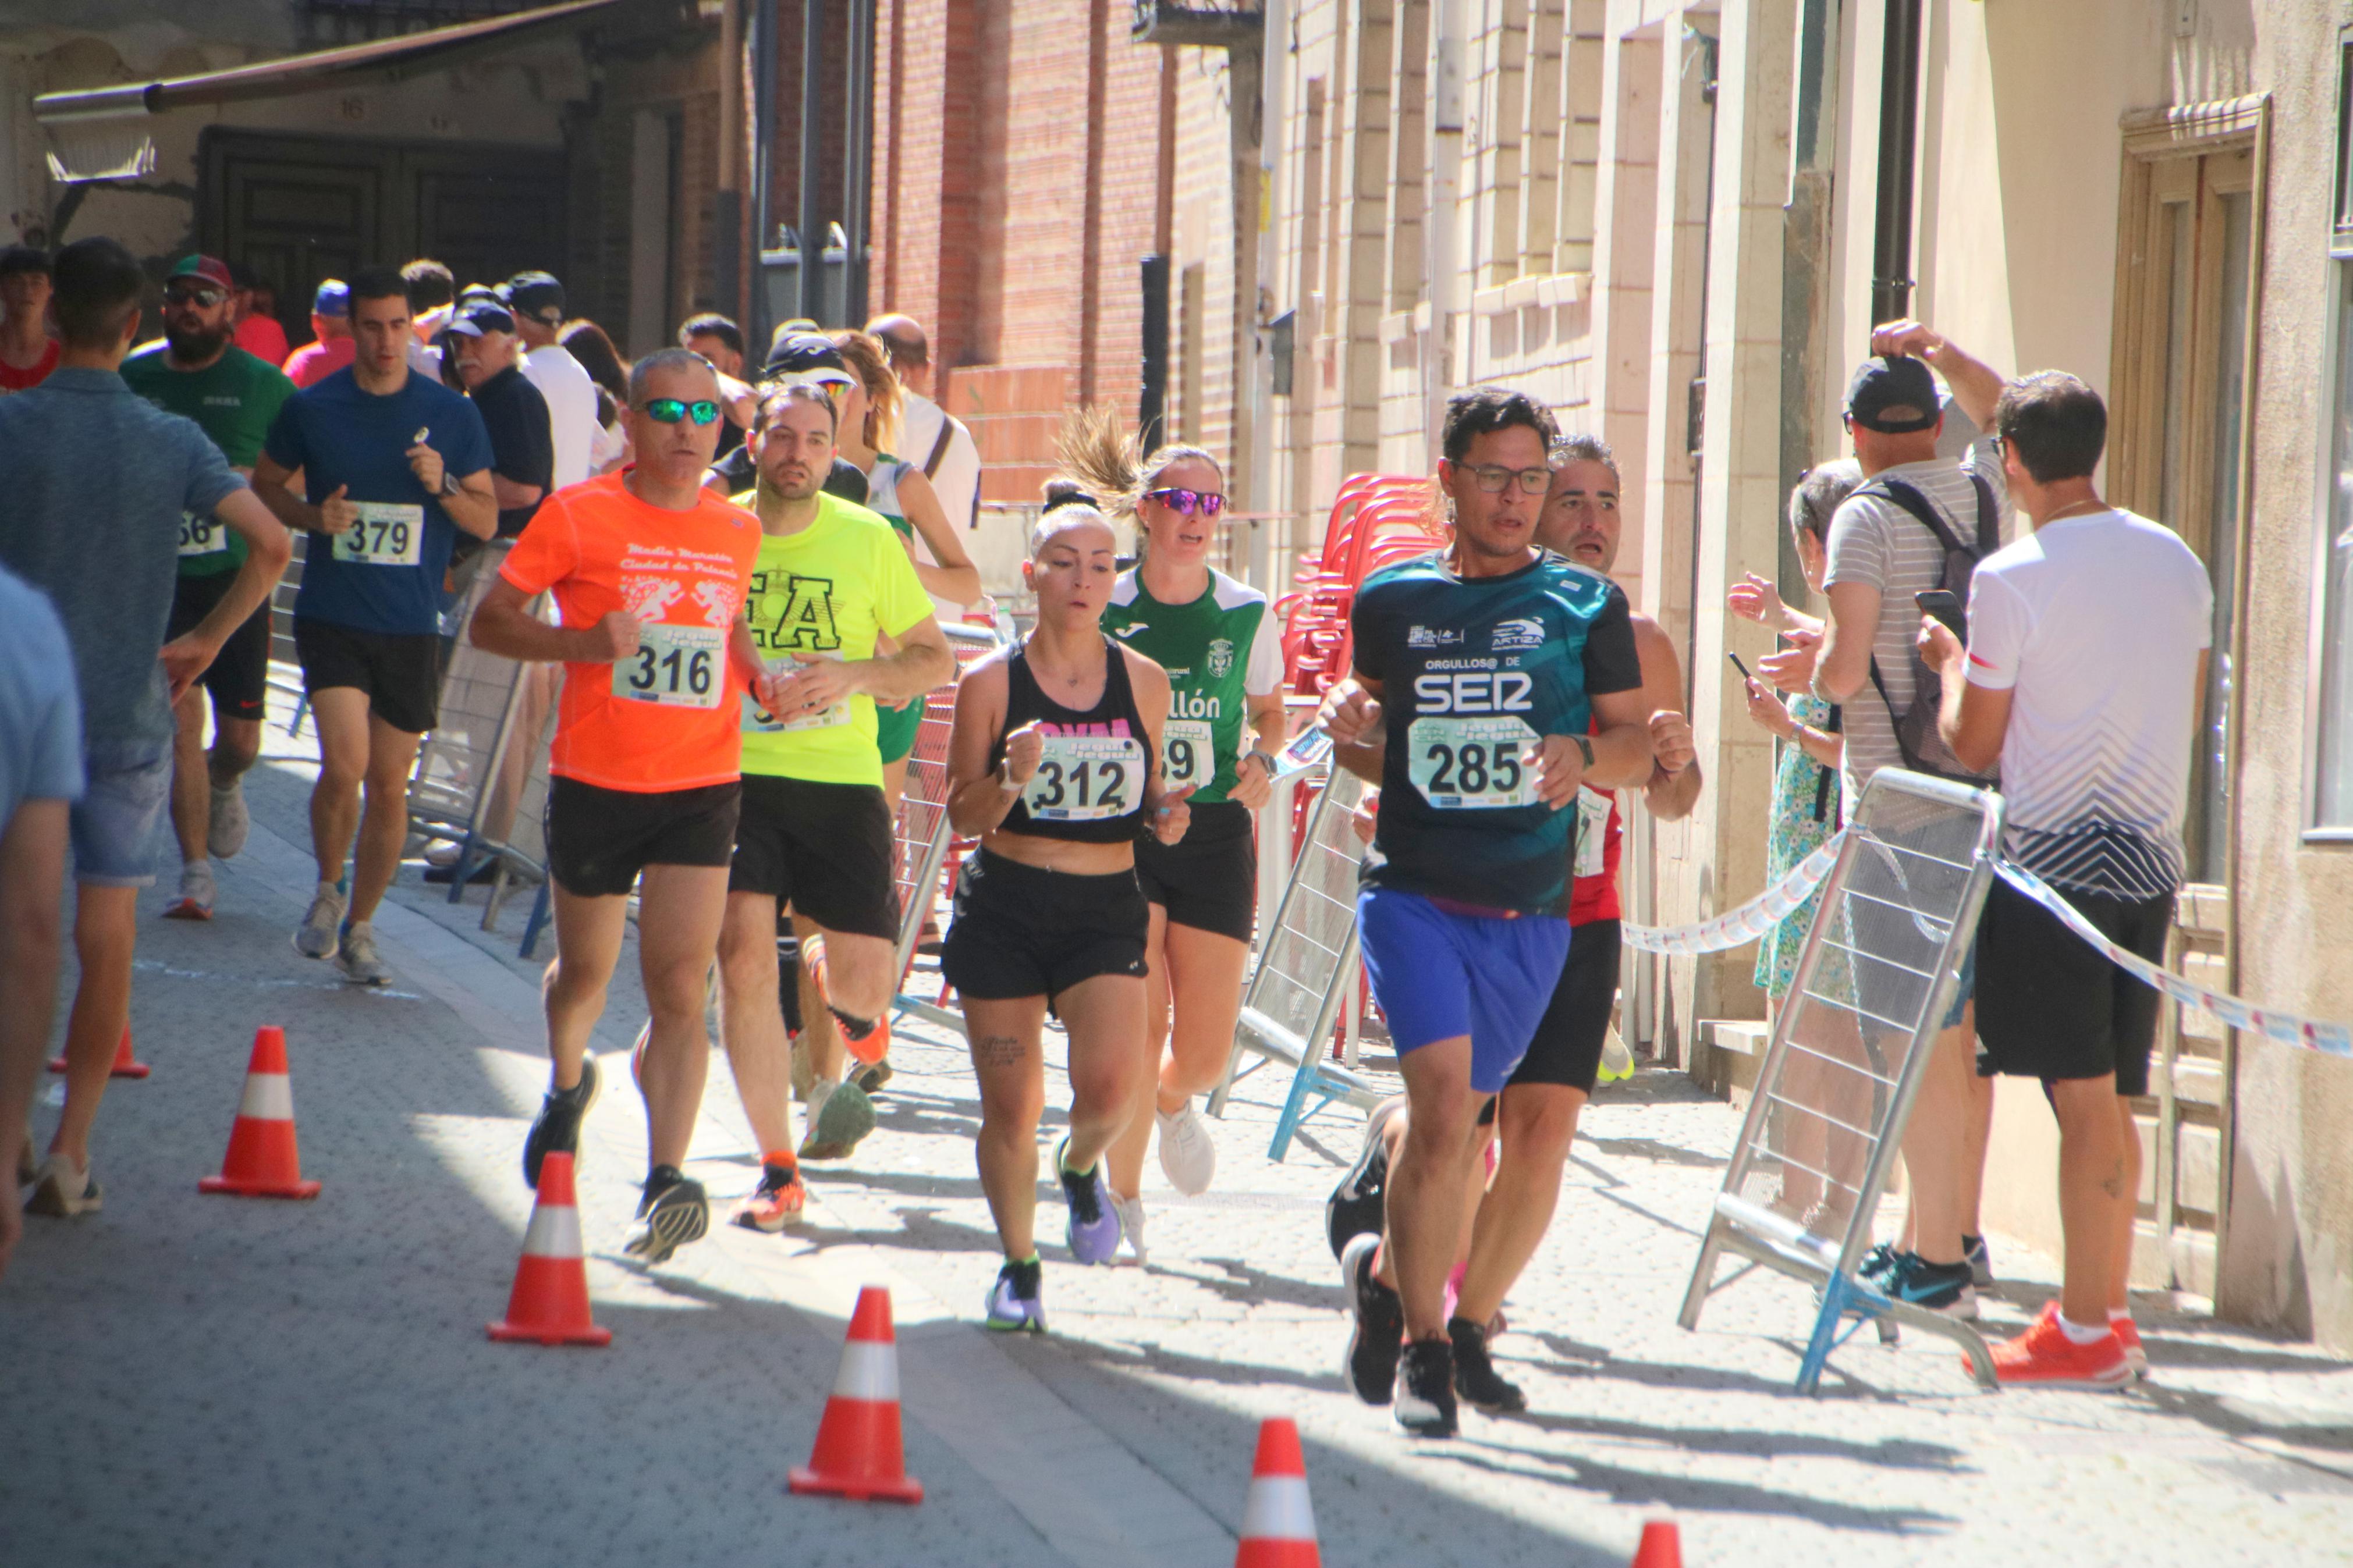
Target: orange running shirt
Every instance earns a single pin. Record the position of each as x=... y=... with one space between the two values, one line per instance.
x=669 y=717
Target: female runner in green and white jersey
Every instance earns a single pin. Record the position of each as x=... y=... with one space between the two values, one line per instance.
x=1223 y=651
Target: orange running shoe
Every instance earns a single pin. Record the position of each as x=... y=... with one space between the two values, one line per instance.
x=776 y=1202
x=2128 y=1335
x=867 y=1048
x=2044 y=1355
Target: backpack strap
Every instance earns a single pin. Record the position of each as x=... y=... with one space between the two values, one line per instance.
x=1989 y=517
x=947 y=434
x=1921 y=508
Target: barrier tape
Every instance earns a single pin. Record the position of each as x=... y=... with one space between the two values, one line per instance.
x=1760 y=914
x=2333 y=1040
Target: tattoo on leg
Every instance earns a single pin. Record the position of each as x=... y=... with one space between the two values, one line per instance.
x=997 y=1051
x=2113 y=1184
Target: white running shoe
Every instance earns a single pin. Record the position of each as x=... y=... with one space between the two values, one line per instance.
x=1616 y=1061
x=1187 y=1157
x=316 y=937
x=225 y=835
x=355 y=956
x=197 y=891
x=1131 y=1225
x=63 y=1189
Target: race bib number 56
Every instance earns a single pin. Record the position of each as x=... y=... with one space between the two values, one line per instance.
x=202 y=534
x=385 y=536
x=1086 y=778
x=1472 y=765
x=678 y=667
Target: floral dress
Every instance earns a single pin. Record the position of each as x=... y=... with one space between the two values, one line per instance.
x=1806 y=811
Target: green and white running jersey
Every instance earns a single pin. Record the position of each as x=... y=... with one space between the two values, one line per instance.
x=1220 y=650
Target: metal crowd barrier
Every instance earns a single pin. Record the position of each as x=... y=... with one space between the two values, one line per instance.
x=1875 y=980
x=1307 y=966
x=923 y=837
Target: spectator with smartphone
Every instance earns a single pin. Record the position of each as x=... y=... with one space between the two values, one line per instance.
x=2082 y=675
x=1882 y=551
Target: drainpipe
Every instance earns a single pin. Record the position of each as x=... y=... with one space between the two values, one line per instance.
x=1899 y=133
x=812 y=209
x=1805 y=258
x=1440 y=282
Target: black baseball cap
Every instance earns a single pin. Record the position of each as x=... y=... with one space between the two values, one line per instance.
x=537 y=295
x=23 y=258
x=810 y=357
x=1897 y=382
x=480 y=316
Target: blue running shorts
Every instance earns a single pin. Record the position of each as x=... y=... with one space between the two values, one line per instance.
x=1437 y=976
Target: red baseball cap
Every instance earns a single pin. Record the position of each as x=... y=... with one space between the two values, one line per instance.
x=210 y=268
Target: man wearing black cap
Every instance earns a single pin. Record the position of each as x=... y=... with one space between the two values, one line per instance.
x=522 y=448
x=1882 y=552
x=537 y=300
x=795 y=358
x=27 y=353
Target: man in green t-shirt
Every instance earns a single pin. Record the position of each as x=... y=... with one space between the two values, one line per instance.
x=197 y=371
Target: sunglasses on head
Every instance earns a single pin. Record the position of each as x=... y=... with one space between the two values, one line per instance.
x=671 y=410
x=204 y=299
x=1185 y=503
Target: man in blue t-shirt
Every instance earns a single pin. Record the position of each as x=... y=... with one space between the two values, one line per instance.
x=1489 y=682
x=394 y=468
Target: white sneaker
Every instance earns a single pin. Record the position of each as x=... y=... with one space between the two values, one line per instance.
x=1187 y=1157
x=225 y=835
x=316 y=936
x=197 y=892
x=355 y=956
x=63 y=1190
x=1131 y=1225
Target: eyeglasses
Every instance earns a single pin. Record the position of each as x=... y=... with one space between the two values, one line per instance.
x=1185 y=503
x=669 y=410
x=1496 y=479
x=204 y=298
x=2001 y=444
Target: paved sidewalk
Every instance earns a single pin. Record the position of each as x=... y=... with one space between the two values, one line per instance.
x=198 y=1381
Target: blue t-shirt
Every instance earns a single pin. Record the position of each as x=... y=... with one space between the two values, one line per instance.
x=40 y=714
x=384 y=574
x=1473 y=672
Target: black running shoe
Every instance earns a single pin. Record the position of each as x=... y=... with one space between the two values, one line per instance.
x=1377 y=1336
x=557 y=1129
x=1476 y=1377
x=1425 y=1390
x=1356 y=1205
x=673 y=1212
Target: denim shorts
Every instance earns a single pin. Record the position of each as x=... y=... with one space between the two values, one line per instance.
x=1438 y=975
x=114 y=824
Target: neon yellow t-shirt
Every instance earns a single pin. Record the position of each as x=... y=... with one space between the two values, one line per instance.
x=827 y=591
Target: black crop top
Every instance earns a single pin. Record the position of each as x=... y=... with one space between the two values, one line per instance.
x=1089 y=787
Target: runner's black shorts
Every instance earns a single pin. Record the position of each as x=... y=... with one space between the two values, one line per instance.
x=1567 y=1047
x=824 y=848
x=599 y=839
x=1023 y=931
x=1208 y=879
x=2050 y=1008
x=239 y=678
x=400 y=672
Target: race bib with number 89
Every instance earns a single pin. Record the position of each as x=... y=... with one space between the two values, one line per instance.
x=678 y=667
x=1472 y=765
x=759 y=721
x=1188 y=752
x=387 y=534
x=1086 y=778
x=202 y=534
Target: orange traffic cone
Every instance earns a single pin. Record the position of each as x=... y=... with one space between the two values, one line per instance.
x=1278 y=1524
x=1661 y=1547
x=858 y=1452
x=125 y=1064
x=549 y=1304
x=262 y=1160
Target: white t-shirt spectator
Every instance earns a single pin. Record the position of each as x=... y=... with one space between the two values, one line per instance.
x=956 y=481
x=1874 y=540
x=2094 y=625
x=571 y=409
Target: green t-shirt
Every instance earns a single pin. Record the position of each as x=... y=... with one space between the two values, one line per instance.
x=827 y=591
x=1219 y=651
x=233 y=400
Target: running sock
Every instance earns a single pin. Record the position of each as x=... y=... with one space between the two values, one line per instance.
x=2078 y=1335
x=2119 y=1315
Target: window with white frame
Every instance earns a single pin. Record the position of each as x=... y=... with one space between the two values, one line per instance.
x=2332 y=675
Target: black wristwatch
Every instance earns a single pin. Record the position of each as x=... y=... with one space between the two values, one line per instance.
x=1584 y=749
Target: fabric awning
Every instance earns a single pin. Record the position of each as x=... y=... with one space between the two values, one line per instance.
x=102 y=133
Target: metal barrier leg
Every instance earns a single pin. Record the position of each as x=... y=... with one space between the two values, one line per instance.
x=301 y=711
x=464 y=868
x=1703 y=1280
x=542 y=908
x=1838 y=1294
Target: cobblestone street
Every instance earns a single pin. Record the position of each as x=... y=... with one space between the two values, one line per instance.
x=201 y=1381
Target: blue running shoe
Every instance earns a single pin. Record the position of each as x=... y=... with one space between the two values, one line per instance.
x=1016 y=1301
x=1094 y=1221
x=1939 y=1286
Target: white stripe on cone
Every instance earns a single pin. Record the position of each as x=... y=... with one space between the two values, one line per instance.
x=1278 y=1509
x=268 y=1097
x=553 y=1233
x=870 y=1371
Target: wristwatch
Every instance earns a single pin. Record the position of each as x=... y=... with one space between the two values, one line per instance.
x=1584 y=749
x=450 y=485
x=1264 y=755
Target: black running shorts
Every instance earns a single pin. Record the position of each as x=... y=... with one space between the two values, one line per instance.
x=1567 y=1047
x=2050 y=1008
x=1208 y=879
x=1021 y=931
x=599 y=839
x=239 y=679
x=824 y=848
x=400 y=672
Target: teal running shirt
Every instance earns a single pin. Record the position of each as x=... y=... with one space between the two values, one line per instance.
x=1473 y=672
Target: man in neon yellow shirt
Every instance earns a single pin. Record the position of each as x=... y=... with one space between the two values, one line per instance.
x=815 y=833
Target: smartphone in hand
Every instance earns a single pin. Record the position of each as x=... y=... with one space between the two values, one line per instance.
x=1945 y=605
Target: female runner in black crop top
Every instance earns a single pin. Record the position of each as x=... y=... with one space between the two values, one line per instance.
x=1054 y=762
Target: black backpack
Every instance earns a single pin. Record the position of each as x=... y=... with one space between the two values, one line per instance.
x=1924 y=749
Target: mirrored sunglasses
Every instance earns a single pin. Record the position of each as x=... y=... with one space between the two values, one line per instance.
x=669 y=410
x=204 y=298
x=1185 y=503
